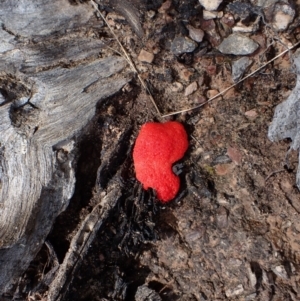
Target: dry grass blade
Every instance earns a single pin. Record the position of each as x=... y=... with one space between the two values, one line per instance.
x=127 y=57
x=230 y=87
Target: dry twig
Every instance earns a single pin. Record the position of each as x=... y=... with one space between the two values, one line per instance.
x=130 y=62
x=127 y=57
x=230 y=87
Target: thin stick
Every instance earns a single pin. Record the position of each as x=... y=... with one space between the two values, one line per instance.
x=127 y=57
x=273 y=173
x=224 y=91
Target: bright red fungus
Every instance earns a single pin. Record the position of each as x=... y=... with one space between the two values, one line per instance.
x=157 y=147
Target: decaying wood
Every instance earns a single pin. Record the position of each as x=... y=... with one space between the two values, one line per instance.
x=106 y=196
x=81 y=243
x=50 y=83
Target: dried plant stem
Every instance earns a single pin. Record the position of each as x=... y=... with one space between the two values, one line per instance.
x=273 y=173
x=127 y=57
x=230 y=87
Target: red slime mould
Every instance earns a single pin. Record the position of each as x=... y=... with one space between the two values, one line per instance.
x=157 y=147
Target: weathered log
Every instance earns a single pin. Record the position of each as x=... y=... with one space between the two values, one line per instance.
x=50 y=83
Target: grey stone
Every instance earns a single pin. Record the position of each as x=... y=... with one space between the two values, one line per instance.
x=238 y=290
x=280 y=271
x=241 y=9
x=191 y=88
x=182 y=44
x=144 y=293
x=283 y=16
x=264 y=3
x=239 y=67
x=196 y=34
x=238 y=44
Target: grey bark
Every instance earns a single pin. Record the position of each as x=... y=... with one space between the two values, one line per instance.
x=50 y=82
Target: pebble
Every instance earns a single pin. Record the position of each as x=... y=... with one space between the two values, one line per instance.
x=212 y=93
x=195 y=34
x=240 y=9
x=239 y=67
x=235 y=155
x=151 y=14
x=280 y=271
x=240 y=27
x=210 y=29
x=228 y=20
x=191 y=88
x=222 y=159
x=208 y=15
x=145 y=293
x=251 y=114
x=177 y=87
x=234 y=292
x=251 y=297
x=146 y=57
x=283 y=16
x=210 y=4
x=182 y=45
x=238 y=44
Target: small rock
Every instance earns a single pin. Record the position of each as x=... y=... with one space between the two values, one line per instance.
x=235 y=291
x=146 y=57
x=240 y=9
x=251 y=114
x=222 y=159
x=251 y=276
x=151 y=14
x=182 y=45
x=177 y=87
x=234 y=262
x=251 y=297
x=240 y=27
x=144 y=293
x=208 y=15
x=283 y=16
x=280 y=271
x=210 y=28
x=238 y=44
x=190 y=89
x=228 y=20
x=235 y=155
x=127 y=88
x=210 y=4
x=212 y=93
x=195 y=34
x=239 y=67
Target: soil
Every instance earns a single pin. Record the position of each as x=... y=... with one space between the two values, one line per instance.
x=233 y=231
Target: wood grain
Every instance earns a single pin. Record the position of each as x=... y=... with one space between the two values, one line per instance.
x=50 y=83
